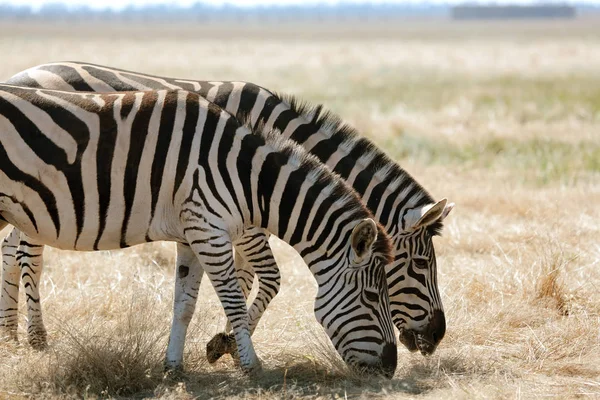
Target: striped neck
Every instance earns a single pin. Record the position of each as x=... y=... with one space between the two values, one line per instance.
x=386 y=188
x=299 y=200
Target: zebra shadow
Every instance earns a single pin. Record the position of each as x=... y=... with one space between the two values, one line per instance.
x=302 y=379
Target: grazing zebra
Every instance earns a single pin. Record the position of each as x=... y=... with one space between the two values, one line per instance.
x=407 y=211
x=93 y=171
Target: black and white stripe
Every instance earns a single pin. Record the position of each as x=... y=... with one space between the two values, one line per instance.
x=89 y=171
x=407 y=211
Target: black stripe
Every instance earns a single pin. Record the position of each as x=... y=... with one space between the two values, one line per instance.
x=248 y=149
x=412 y=192
x=321 y=215
x=165 y=134
x=303 y=133
x=139 y=131
x=377 y=193
x=144 y=82
x=289 y=198
x=26 y=210
x=204 y=89
x=247 y=100
x=188 y=86
x=389 y=203
x=223 y=93
x=325 y=148
x=107 y=140
x=69 y=75
x=81 y=134
x=16 y=175
x=346 y=165
x=188 y=134
x=109 y=78
x=307 y=205
x=127 y=105
x=267 y=178
x=284 y=119
x=208 y=134
x=267 y=110
x=225 y=146
x=23 y=79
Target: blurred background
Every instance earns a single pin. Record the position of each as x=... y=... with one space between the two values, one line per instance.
x=494 y=105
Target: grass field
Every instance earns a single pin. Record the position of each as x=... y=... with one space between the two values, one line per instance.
x=504 y=120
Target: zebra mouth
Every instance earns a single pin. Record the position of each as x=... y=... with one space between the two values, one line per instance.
x=415 y=341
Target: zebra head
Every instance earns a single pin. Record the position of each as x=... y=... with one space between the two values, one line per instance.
x=416 y=305
x=352 y=302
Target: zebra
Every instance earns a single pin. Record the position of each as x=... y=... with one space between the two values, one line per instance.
x=93 y=171
x=409 y=214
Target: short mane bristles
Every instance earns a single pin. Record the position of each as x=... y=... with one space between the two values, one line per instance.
x=377 y=161
x=318 y=172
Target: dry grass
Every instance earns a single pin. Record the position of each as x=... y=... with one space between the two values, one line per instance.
x=503 y=120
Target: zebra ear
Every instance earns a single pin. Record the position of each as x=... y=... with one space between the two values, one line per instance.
x=427 y=215
x=447 y=210
x=364 y=235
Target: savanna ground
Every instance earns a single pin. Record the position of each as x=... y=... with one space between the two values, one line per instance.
x=503 y=119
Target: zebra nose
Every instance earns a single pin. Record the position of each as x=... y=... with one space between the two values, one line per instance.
x=389 y=360
x=437 y=327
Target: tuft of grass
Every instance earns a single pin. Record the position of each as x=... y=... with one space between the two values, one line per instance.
x=551 y=289
x=117 y=358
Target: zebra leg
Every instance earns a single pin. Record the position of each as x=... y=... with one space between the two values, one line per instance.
x=260 y=259
x=253 y=248
x=245 y=277
x=188 y=276
x=215 y=251
x=9 y=297
x=30 y=256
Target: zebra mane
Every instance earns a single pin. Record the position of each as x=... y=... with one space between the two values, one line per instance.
x=318 y=173
x=377 y=161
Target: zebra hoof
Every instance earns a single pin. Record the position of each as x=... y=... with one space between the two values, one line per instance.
x=38 y=340
x=255 y=370
x=221 y=344
x=173 y=370
x=8 y=334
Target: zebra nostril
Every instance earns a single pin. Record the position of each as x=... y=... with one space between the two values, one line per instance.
x=389 y=360
x=438 y=326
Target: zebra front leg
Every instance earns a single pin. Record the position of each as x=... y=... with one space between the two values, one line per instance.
x=9 y=297
x=214 y=250
x=188 y=276
x=269 y=282
x=30 y=256
x=224 y=342
x=254 y=249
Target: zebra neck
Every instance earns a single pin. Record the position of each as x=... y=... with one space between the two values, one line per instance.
x=386 y=188
x=296 y=198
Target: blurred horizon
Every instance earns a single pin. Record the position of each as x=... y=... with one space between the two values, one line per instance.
x=118 y=5
x=254 y=10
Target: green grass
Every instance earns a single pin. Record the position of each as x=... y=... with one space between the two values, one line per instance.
x=510 y=96
x=538 y=160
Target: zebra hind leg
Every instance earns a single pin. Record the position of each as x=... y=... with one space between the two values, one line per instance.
x=30 y=256
x=214 y=250
x=9 y=295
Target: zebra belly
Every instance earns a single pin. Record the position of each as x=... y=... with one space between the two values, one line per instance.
x=33 y=219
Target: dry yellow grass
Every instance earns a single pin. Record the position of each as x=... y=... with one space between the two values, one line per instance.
x=502 y=119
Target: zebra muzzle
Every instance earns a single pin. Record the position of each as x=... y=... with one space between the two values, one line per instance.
x=221 y=344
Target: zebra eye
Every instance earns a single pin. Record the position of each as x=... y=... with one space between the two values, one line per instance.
x=420 y=263
x=372 y=296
